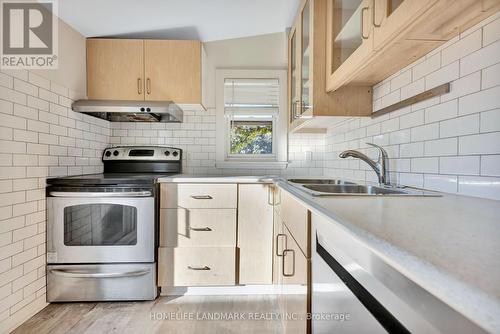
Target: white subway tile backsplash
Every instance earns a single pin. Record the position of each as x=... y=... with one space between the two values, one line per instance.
x=459 y=126
x=486 y=143
x=462 y=47
x=441 y=147
x=401 y=80
x=411 y=150
x=425 y=165
x=428 y=66
x=465 y=165
x=444 y=183
x=24 y=87
x=466 y=85
x=412 y=119
x=490 y=76
x=490 y=121
x=390 y=98
x=413 y=89
x=445 y=74
x=491 y=32
x=488 y=187
x=425 y=132
x=484 y=100
x=490 y=165
x=480 y=59
x=441 y=111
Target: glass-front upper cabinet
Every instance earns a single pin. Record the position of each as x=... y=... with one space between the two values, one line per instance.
x=391 y=16
x=349 y=38
x=305 y=59
x=293 y=77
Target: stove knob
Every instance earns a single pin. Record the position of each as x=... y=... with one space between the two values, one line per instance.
x=175 y=153
x=108 y=153
x=167 y=153
x=115 y=153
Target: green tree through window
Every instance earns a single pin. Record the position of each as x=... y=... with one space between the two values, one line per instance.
x=251 y=137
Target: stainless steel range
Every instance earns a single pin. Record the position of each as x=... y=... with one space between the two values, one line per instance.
x=101 y=228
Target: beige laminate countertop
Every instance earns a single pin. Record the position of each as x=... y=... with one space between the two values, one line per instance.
x=448 y=245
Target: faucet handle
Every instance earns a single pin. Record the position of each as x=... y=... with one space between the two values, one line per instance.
x=381 y=152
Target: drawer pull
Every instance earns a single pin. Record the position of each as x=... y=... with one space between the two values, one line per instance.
x=201 y=196
x=201 y=229
x=199 y=268
x=278 y=243
x=286 y=251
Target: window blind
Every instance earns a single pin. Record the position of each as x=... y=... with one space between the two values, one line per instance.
x=251 y=96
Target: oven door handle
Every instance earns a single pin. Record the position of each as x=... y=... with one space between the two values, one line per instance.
x=79 y=274
x=100 y=194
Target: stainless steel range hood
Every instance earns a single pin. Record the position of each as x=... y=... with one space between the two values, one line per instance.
x=130 y=111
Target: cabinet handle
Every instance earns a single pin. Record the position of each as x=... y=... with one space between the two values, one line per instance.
x=148 y=86
x=201 y=196
x=297 y=115
x=198 y=268
x=139 y=86
x=362 y=23
x=373 y=15
x=277 y=243
x=283 y=263
x=201 y=229
x=270 y=195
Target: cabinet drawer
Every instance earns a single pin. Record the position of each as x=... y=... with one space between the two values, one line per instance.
x=193 y=266
x=202 y=196
x=197 y=227
x=295 y=217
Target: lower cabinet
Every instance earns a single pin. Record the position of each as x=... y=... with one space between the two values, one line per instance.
x=291 y=265
x=215 y=234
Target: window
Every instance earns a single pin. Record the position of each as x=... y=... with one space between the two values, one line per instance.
x=251 y=119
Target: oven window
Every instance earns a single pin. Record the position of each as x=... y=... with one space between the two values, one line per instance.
x=100 y=225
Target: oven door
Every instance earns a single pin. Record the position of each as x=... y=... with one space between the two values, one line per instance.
x=100 y=228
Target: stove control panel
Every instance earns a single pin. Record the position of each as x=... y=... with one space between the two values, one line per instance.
x=149 y=153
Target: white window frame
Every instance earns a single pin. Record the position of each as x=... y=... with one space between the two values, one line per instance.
x=277 y=160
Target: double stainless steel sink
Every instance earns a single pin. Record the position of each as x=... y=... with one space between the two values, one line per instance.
x=335 y=187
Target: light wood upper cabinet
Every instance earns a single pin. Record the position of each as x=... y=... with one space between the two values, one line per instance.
x=115 y=69
x=151 y=70
x=173 y=70
x=349 y=39
x=309 y=101
x=398 y=33
x=391 y=17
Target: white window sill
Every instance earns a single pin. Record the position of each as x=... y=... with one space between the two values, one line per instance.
x=252 y=164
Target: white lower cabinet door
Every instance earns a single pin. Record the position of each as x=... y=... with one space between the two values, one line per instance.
x=196 y=266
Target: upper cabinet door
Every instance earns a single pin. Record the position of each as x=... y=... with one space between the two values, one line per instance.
x=293 y=90
x=305 y=59
x=392 y=16
x=115 y=69
x=349 y=39
x=173 y=71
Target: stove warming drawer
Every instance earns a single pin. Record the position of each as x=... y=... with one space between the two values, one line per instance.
x=102 y=282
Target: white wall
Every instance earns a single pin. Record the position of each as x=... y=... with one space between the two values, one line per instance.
x=449 y=143
x=39 y=136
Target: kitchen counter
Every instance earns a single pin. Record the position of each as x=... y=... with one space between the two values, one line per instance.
x=186 y=178
x=448 y=245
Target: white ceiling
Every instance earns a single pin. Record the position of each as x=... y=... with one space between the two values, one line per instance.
x=206 y=20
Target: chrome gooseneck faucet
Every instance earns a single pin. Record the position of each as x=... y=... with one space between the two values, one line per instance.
x=379 y=166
